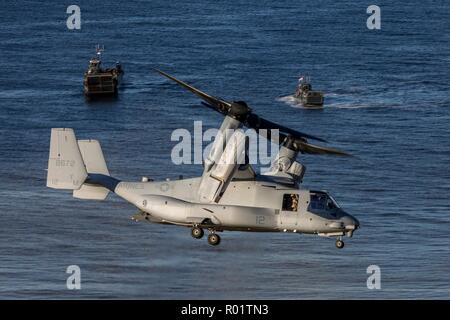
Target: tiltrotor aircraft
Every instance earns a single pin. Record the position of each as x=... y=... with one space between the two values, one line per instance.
x=228 y=196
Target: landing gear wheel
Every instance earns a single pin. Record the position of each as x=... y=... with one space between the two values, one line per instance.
x=213 y=239
x=197 y=232
x=339 y=244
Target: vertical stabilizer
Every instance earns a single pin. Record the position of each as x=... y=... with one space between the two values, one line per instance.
x=94 y=160
x=66 y=169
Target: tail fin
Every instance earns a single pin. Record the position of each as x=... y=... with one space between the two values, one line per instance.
x=95 y=163
x=72 y=164
x=66 y=169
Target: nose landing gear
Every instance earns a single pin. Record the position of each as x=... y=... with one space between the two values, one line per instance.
x=339 y=243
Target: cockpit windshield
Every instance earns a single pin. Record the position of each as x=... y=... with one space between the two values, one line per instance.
x=321 y=201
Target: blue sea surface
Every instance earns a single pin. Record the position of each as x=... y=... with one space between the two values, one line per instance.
x=387 y=102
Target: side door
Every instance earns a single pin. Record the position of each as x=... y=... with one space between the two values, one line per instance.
x=289 y=211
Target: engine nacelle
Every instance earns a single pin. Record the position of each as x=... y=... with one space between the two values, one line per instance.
x=216 y=180
x=285 y=163
x=297 y=171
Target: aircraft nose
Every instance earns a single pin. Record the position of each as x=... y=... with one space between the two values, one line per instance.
x=350 y=222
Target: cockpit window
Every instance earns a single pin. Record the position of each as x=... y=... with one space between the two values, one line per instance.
x=321 y=201
x=290 y=202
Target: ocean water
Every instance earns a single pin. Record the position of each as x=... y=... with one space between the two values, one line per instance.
x=387 y=103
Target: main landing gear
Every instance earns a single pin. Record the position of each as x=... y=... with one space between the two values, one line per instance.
x=213 y=239
x=198 y=233
x=339 y=243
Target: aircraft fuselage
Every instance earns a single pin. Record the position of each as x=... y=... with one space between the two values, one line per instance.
x=256 y=205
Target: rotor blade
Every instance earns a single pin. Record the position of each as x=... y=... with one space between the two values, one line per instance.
x=256 y=122
x=219 y=104
x=313 y=149
x=213 y=108
x=251 y=120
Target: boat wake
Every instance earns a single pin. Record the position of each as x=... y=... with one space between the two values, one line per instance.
x=296 y=103
x=331 y=102
x=292 y=101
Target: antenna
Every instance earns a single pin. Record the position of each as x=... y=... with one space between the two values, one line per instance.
x=99 y=50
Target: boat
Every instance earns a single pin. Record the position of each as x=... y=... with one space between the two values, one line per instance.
x=99 y=81
x=308 y=97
